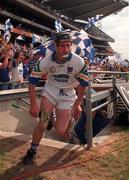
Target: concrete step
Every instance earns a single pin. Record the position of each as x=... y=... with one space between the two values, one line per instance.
x=55 y=143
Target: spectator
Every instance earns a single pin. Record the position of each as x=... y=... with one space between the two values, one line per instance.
x=5 y=54
x=17 y=70
x=25 y=62
x=36 y=57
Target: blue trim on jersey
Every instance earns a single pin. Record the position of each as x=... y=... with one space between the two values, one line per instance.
x=82 y=82
x=33 y=80
x=55 y=59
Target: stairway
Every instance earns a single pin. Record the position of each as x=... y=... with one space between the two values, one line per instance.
x=120 y=107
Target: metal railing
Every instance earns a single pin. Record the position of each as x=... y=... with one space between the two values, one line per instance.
x=6 y=95
x=17 y=82
x=90 y=98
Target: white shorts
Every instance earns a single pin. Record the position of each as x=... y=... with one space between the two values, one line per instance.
x=61 y=98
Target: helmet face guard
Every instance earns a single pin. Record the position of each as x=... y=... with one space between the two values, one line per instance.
x=62 y=37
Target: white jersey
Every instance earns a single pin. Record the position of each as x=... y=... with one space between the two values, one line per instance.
x=62 y=75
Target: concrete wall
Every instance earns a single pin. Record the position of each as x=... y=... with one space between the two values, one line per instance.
x=16 y=119
x=14 y=111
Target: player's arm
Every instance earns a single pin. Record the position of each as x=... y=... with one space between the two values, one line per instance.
x=34 y=78
x=83 y=79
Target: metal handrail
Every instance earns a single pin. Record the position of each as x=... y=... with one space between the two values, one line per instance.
x=100 y=106
x=107 y=72
x=89 y=102
x=17 y=82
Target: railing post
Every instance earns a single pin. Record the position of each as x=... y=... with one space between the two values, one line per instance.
x=126 y=78
x=89 y=131
x=115 y=98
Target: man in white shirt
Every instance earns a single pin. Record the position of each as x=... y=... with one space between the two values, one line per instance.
x=65 y=71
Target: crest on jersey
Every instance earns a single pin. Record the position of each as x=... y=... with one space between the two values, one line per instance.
x=52 y=69
x=69 y=69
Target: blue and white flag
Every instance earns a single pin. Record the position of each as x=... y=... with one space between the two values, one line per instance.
x=17 y=47
x=47 y=48
x=36 y=38
x=82 y=46
x=7 y=30
x=21 y=37
x=93 y=20
x=58 y=26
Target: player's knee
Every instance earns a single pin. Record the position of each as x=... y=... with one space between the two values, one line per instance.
x=44 y=117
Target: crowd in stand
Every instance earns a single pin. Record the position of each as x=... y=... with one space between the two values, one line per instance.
x=105 y=64
x=16 y=65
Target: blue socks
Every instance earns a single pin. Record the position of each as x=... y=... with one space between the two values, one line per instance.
x=34 y=146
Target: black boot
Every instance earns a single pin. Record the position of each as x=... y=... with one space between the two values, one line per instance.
x=28 y=158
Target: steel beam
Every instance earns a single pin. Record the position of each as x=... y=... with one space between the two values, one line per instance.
x=42 y=12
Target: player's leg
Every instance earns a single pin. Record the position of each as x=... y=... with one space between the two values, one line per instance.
x=44 y=116
x=63 y=117
x=46 y=109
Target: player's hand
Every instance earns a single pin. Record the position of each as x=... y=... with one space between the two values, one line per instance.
x=34 y=110
x=76 y=111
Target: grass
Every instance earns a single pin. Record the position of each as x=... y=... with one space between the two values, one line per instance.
x=111 y=166
x=125 y=129
x=117 y=163
x=2 y=159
